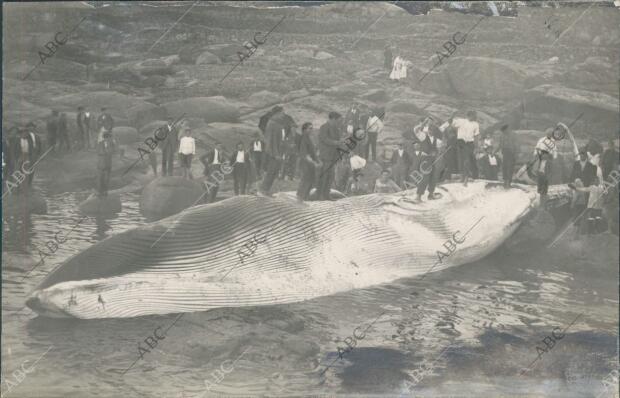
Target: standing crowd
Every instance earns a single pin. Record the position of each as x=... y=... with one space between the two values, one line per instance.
x=433 y=151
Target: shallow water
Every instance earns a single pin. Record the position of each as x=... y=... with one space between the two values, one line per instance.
x=467 y=331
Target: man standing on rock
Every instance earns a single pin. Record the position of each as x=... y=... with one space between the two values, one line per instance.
x=213 y=161
x=256 y=151
x=467 y=132
x=373 y=128
x=83 y=124
x=275 y=133
x=169 y=146
x=329 y=142
x=308 y=162
x=240 y=160
x=508 y=147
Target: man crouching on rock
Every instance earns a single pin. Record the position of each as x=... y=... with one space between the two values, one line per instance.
x=105 y=149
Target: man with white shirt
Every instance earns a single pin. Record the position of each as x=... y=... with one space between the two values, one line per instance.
x=257 y=148
x=467 y=132
x=240 y=160
x=187 y=150
x=373 y=128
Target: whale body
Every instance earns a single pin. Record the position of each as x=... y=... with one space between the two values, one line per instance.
x=251 y=251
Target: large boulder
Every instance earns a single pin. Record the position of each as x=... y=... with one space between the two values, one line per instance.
x=595 y=73
x=117 y=103
x=60 y=70
x=486 y=78
x=546 y=105
x=263 y=99
x=105 y=205
x=211 y=109
x=125 y=135
x=143 y=113
x=377 y=96
x=166 y=196
x=207 y=58
x=149 y=129
x=228 y=134
x=226 y=52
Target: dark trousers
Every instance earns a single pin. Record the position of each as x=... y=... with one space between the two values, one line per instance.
x=371 y=146
x=467 y=161
x=508 y=165
x=578 y=211
x=257 y=158
x=167 y=161
x=240 y=178
x=594 y=222
x=427 y=169
x=290 y=166
x=214 y=187
x=308 y=175
x=104 y=181
x=84 y=137
x=63 y=138
x=326 y=178
x=273 y=168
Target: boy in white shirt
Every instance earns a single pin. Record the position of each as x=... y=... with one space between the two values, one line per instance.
x=187 y=150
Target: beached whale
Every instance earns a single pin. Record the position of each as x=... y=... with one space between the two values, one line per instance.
x=249 y=251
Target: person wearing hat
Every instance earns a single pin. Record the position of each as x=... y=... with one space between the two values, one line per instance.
x=105 y=148
x=508 y=148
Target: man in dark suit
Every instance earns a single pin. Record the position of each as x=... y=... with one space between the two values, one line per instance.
x=105 y=149
x=401 y=162
x=329 y=142
x=213 y=161
x=308 y=162
x=83 y=123
x=275 y=133
x=169 y=147
x=240 y=161
x=583 y=169
x=257 y=150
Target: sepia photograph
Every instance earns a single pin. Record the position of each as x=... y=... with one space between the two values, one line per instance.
x=310 y=199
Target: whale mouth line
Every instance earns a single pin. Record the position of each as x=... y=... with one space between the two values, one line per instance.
x=36 y=305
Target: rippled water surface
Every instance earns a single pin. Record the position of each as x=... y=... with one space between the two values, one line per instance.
x=468 y=331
